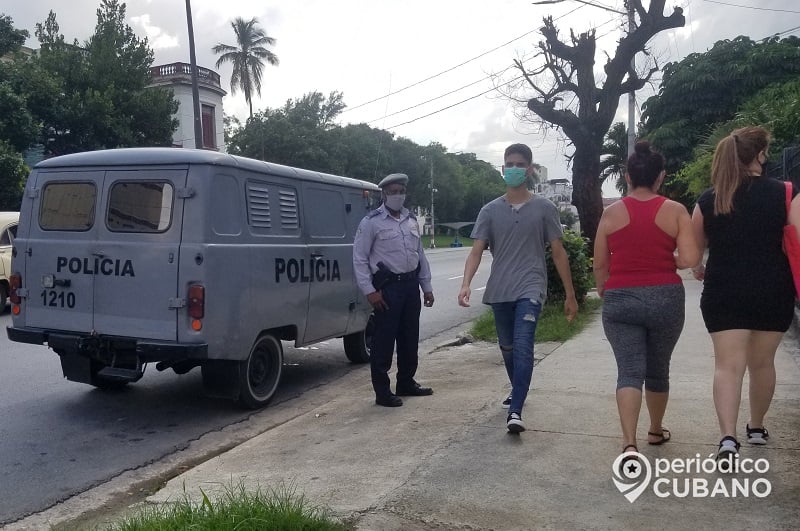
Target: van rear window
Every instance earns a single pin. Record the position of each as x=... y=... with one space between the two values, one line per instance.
x=68 y=206
x=140 y=206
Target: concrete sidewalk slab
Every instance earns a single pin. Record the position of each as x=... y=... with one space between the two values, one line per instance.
x=446 y=461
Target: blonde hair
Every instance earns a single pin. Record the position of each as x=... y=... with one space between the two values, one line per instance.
x=732 y=156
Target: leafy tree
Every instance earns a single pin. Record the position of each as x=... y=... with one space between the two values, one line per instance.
x=17 y=127
x=567 y=217
x=12 y=177
x=614 y=157
x=776 y=107
x=246 y=57
x=580 y=265
x=102 y=99
x=568 y=74
x=10 y=38
x=708 y=88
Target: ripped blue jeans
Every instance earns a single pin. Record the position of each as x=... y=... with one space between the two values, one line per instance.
x=515 y=323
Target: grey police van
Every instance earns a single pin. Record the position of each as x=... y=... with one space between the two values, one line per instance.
x=186 y=258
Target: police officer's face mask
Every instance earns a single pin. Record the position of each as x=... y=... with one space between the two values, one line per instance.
x=395 y=202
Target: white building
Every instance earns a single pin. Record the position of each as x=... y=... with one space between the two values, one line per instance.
x=559 y=191
x=178 y=77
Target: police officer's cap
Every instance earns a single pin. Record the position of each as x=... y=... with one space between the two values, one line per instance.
x=398 y=178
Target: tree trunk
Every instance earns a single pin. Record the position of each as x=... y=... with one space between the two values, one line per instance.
x=587 y=193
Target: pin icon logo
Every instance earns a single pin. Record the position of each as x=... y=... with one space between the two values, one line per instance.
x=631 y=474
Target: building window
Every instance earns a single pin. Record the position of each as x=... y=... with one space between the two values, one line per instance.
x=209 y=130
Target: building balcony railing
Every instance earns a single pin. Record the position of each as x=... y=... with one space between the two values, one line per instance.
x=170 y=72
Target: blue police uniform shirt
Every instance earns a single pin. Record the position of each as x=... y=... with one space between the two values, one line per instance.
x=395 y=242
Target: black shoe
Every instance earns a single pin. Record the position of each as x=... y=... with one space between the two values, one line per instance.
x=389 y=401
x=414 y=390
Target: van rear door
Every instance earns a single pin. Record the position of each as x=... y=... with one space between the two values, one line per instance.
x=137 y=254
x=58 y=251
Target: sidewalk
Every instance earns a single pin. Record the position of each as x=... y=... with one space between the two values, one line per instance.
x=445 y=462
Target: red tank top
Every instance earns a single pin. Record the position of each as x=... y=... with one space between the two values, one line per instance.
x=641 y=252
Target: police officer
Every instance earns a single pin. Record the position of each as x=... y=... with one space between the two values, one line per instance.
x=390 y=268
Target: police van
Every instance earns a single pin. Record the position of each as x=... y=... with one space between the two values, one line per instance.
x=186 y=258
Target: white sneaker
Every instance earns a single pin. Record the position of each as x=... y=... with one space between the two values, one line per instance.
x=514 y=423
x=507 y=402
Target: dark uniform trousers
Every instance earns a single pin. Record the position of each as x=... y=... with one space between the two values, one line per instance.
x=399 y=323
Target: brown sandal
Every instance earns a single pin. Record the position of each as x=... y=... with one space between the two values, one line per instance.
x=665 y=436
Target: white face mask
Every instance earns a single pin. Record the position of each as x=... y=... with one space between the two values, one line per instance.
x=395 y=202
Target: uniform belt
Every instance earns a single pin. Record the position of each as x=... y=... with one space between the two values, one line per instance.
x=397 y=277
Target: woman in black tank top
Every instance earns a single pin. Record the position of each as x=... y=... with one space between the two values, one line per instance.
x=748 y=294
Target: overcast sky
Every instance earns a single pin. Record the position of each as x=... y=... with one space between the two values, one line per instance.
x=370 y=48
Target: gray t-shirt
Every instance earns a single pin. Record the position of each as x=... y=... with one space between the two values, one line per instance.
x=516 y=239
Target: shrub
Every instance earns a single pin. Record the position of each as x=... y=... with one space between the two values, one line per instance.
x=580 y=265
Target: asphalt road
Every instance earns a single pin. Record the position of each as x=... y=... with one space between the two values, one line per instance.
x=60 y=438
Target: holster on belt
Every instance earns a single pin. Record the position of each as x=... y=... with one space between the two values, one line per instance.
x=381 y=277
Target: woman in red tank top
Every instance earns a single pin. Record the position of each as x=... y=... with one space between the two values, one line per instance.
x=635 y=264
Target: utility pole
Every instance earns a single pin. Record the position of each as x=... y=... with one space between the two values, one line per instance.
x=632 y=93
x=198 y=128
x=433 y=227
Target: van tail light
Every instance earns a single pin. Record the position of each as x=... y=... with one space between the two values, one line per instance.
x=14 y=283
x=197 y=301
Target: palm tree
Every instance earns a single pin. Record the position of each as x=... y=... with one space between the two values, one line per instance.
x=247 y=57
x=614 y=156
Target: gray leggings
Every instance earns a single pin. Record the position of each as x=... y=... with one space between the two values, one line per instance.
x=643 y=325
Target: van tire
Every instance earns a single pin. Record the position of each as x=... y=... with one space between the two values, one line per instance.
x=357 y=346
x=260 y=373
x=3 y=297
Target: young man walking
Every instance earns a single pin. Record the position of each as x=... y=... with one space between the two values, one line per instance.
x=515 y=228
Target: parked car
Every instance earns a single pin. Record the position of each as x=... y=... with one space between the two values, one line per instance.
x=8 y=231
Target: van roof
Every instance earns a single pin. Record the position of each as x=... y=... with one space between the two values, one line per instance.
x=164 y=156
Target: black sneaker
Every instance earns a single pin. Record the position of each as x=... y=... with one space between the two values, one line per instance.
x=727 y=453
x=757 y=435
x=514 y=423
x=507 y=402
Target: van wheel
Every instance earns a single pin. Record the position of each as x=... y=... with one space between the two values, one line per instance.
x=3 y=297
x=357 y=346
x=260 y=373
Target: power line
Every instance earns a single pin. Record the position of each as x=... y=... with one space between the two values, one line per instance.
x=439 y=96
x=445 y=108
x=782 y=32
x=440 y=73
x=752 y=7
x=458 y=65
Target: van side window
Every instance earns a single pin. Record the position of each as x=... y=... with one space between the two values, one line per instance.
x=68 y=206
x=325 y=215
x=139 y=206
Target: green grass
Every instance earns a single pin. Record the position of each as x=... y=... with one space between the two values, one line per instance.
x=444 y=241
x=552 y=325
x=236 y=508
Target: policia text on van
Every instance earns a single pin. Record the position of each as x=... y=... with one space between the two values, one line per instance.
x=186 y=258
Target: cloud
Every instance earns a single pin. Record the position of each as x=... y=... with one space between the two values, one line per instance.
x=157 y=37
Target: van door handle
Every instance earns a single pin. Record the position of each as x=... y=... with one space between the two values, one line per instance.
x=99 y=254
x=314 y=256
